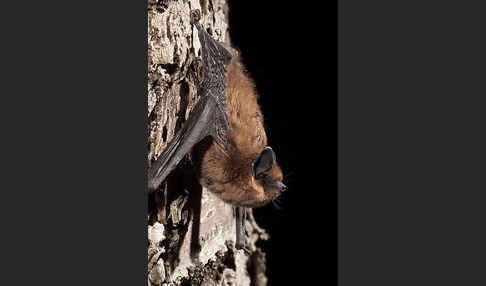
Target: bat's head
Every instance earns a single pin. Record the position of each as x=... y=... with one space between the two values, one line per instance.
x=241 y=178
x=268 y=174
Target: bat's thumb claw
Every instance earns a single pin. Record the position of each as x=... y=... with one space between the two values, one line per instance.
x=195 y=16
x=245 y=249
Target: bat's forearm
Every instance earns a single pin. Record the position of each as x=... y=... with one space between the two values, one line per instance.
x=199 y=125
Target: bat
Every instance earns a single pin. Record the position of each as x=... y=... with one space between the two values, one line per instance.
x=225 y=136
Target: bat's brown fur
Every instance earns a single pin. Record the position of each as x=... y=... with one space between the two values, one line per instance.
x=229 y=173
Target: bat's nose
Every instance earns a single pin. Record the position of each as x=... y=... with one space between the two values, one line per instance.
x=281 y=186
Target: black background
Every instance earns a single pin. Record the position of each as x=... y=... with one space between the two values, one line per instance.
x=292 y=56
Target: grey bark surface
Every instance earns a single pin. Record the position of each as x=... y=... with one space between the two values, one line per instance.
x=191 y=233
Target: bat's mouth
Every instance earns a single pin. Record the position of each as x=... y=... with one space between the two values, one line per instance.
x=274 y=186
x=273 y=189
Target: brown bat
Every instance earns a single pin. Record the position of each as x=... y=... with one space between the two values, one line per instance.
x=236 y=165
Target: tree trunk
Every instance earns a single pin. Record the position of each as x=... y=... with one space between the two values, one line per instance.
x=191 y=233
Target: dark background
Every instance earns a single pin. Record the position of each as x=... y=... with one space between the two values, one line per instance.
x=290 y=52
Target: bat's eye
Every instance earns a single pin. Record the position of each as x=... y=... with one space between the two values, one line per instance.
x=263 y=164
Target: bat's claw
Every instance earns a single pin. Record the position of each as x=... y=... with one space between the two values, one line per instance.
x=195 y=16
x=244 y=248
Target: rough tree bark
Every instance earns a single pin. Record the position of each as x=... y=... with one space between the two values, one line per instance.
x=191 y=233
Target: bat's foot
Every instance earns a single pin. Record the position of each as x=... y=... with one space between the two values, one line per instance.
x=195 y=16
x=239 y=245
x=195 y=251
x=244 y=248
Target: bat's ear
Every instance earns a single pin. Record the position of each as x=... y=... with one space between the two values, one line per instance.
x=263 y=164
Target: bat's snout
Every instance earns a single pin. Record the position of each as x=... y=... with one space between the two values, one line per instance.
x=281 y=186
x=276 y=186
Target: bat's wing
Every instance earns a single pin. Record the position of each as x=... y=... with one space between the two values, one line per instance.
x=199 y=125
x=209 y=116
